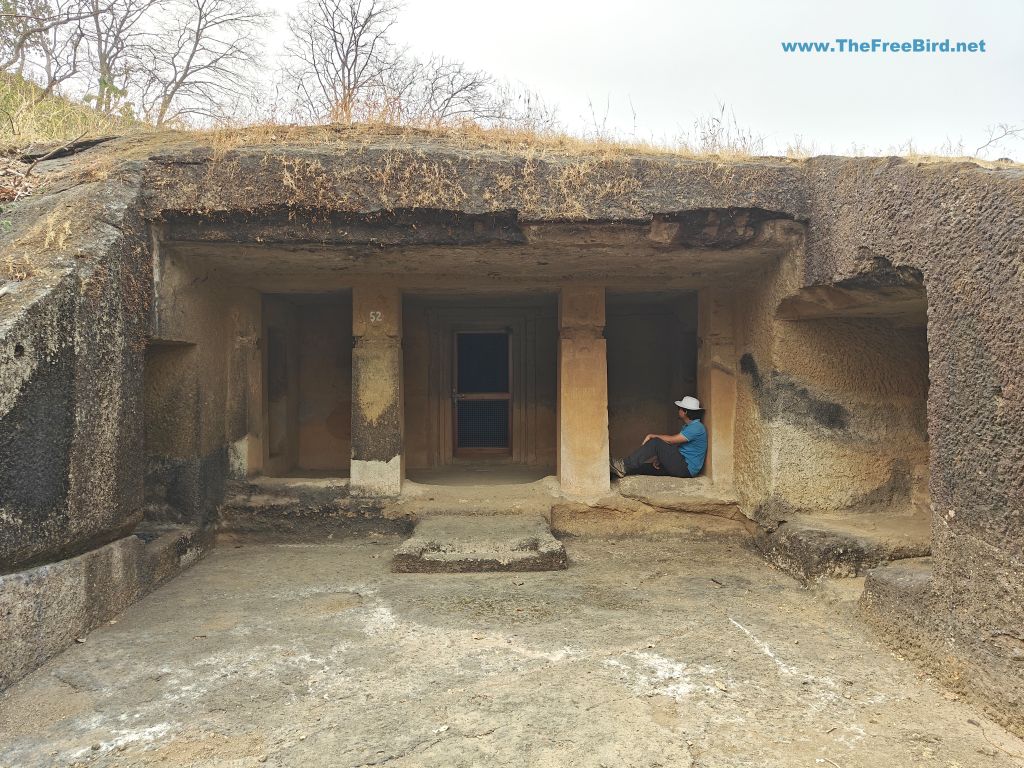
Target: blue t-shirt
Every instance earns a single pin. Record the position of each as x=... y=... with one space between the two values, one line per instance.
x=696 y=446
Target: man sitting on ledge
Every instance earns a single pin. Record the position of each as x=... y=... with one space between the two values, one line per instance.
x=679 y=455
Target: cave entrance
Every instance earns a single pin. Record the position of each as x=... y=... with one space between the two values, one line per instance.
x=307 y=392
x=652 y=362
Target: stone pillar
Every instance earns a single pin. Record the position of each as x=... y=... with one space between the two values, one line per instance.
x=377 y=418
x=582 y=392
x=716 y=380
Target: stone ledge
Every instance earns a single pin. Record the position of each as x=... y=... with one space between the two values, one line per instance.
x=301 y=509
x=812 y=548
x=647 y=505
x=480 y=543
x=43 y=610
x=698 y=494
x=626 y=518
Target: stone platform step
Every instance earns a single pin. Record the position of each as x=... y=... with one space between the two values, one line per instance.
x=476 y=543
x=307 y=509
x=697 y=495
x=812 y=548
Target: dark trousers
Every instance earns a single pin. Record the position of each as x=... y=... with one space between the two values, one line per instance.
x=671 y=460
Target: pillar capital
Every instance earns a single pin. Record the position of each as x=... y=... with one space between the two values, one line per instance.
x=377 y=311
x=581 y=311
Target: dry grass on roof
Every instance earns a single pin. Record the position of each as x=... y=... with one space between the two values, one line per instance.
x=30 y=116
x=468 y=137
x=464 y=136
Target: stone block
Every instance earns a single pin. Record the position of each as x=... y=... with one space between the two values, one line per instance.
x=813 y=548
x=475 y=543
x=43 y=610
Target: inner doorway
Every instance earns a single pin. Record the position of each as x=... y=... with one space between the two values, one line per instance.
x=480 y=387
x=307 y=389
x=482 y=395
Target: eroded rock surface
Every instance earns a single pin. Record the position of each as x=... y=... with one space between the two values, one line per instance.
x=672 y=652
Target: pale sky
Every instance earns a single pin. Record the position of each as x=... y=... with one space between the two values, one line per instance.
x=673 y=60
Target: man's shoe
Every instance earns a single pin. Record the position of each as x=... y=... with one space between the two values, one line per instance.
x=618 y=468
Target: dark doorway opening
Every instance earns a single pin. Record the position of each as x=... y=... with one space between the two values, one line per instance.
x=482 y=393
x=652 y=362
x=307 y=387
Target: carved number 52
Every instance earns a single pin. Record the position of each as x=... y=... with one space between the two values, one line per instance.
x=375 y=317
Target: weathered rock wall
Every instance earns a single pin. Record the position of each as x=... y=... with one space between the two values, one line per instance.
x=858 y=410
x=204 y=373
x=963 y=228
x=386 y=175
x=833 y=415
x=72 y=336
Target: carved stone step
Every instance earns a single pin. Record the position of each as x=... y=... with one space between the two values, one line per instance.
x=474 y=543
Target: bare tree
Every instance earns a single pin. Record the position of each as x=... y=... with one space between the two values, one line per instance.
x=202 y=57
x=41 y=38
x=20 y=23
x=434 y=91
x=519 y=108
x=169 y=60
x=60 y=52
x=339 y=50
x=451 y=92
x=115 y=34
x=343 y=66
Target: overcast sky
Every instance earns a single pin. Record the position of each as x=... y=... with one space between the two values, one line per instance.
x=672 y=60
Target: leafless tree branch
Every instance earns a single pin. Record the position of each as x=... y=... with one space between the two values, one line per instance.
x=39 y=27
x=204 y=54
x=115 y=35
x=999 y=133
x=338 y=50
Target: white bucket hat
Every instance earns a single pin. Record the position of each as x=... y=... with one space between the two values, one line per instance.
x=689 y=403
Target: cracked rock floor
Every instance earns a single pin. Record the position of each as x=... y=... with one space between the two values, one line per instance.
x=646 y=652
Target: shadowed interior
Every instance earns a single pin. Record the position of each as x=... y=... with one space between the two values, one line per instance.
x=652 y=362
x=308 y=383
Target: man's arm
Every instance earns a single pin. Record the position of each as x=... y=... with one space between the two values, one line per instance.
x=670 y=439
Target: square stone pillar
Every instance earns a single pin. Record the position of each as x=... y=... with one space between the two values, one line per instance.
x=377 y=419
x=716 y=380
x=582 y=392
